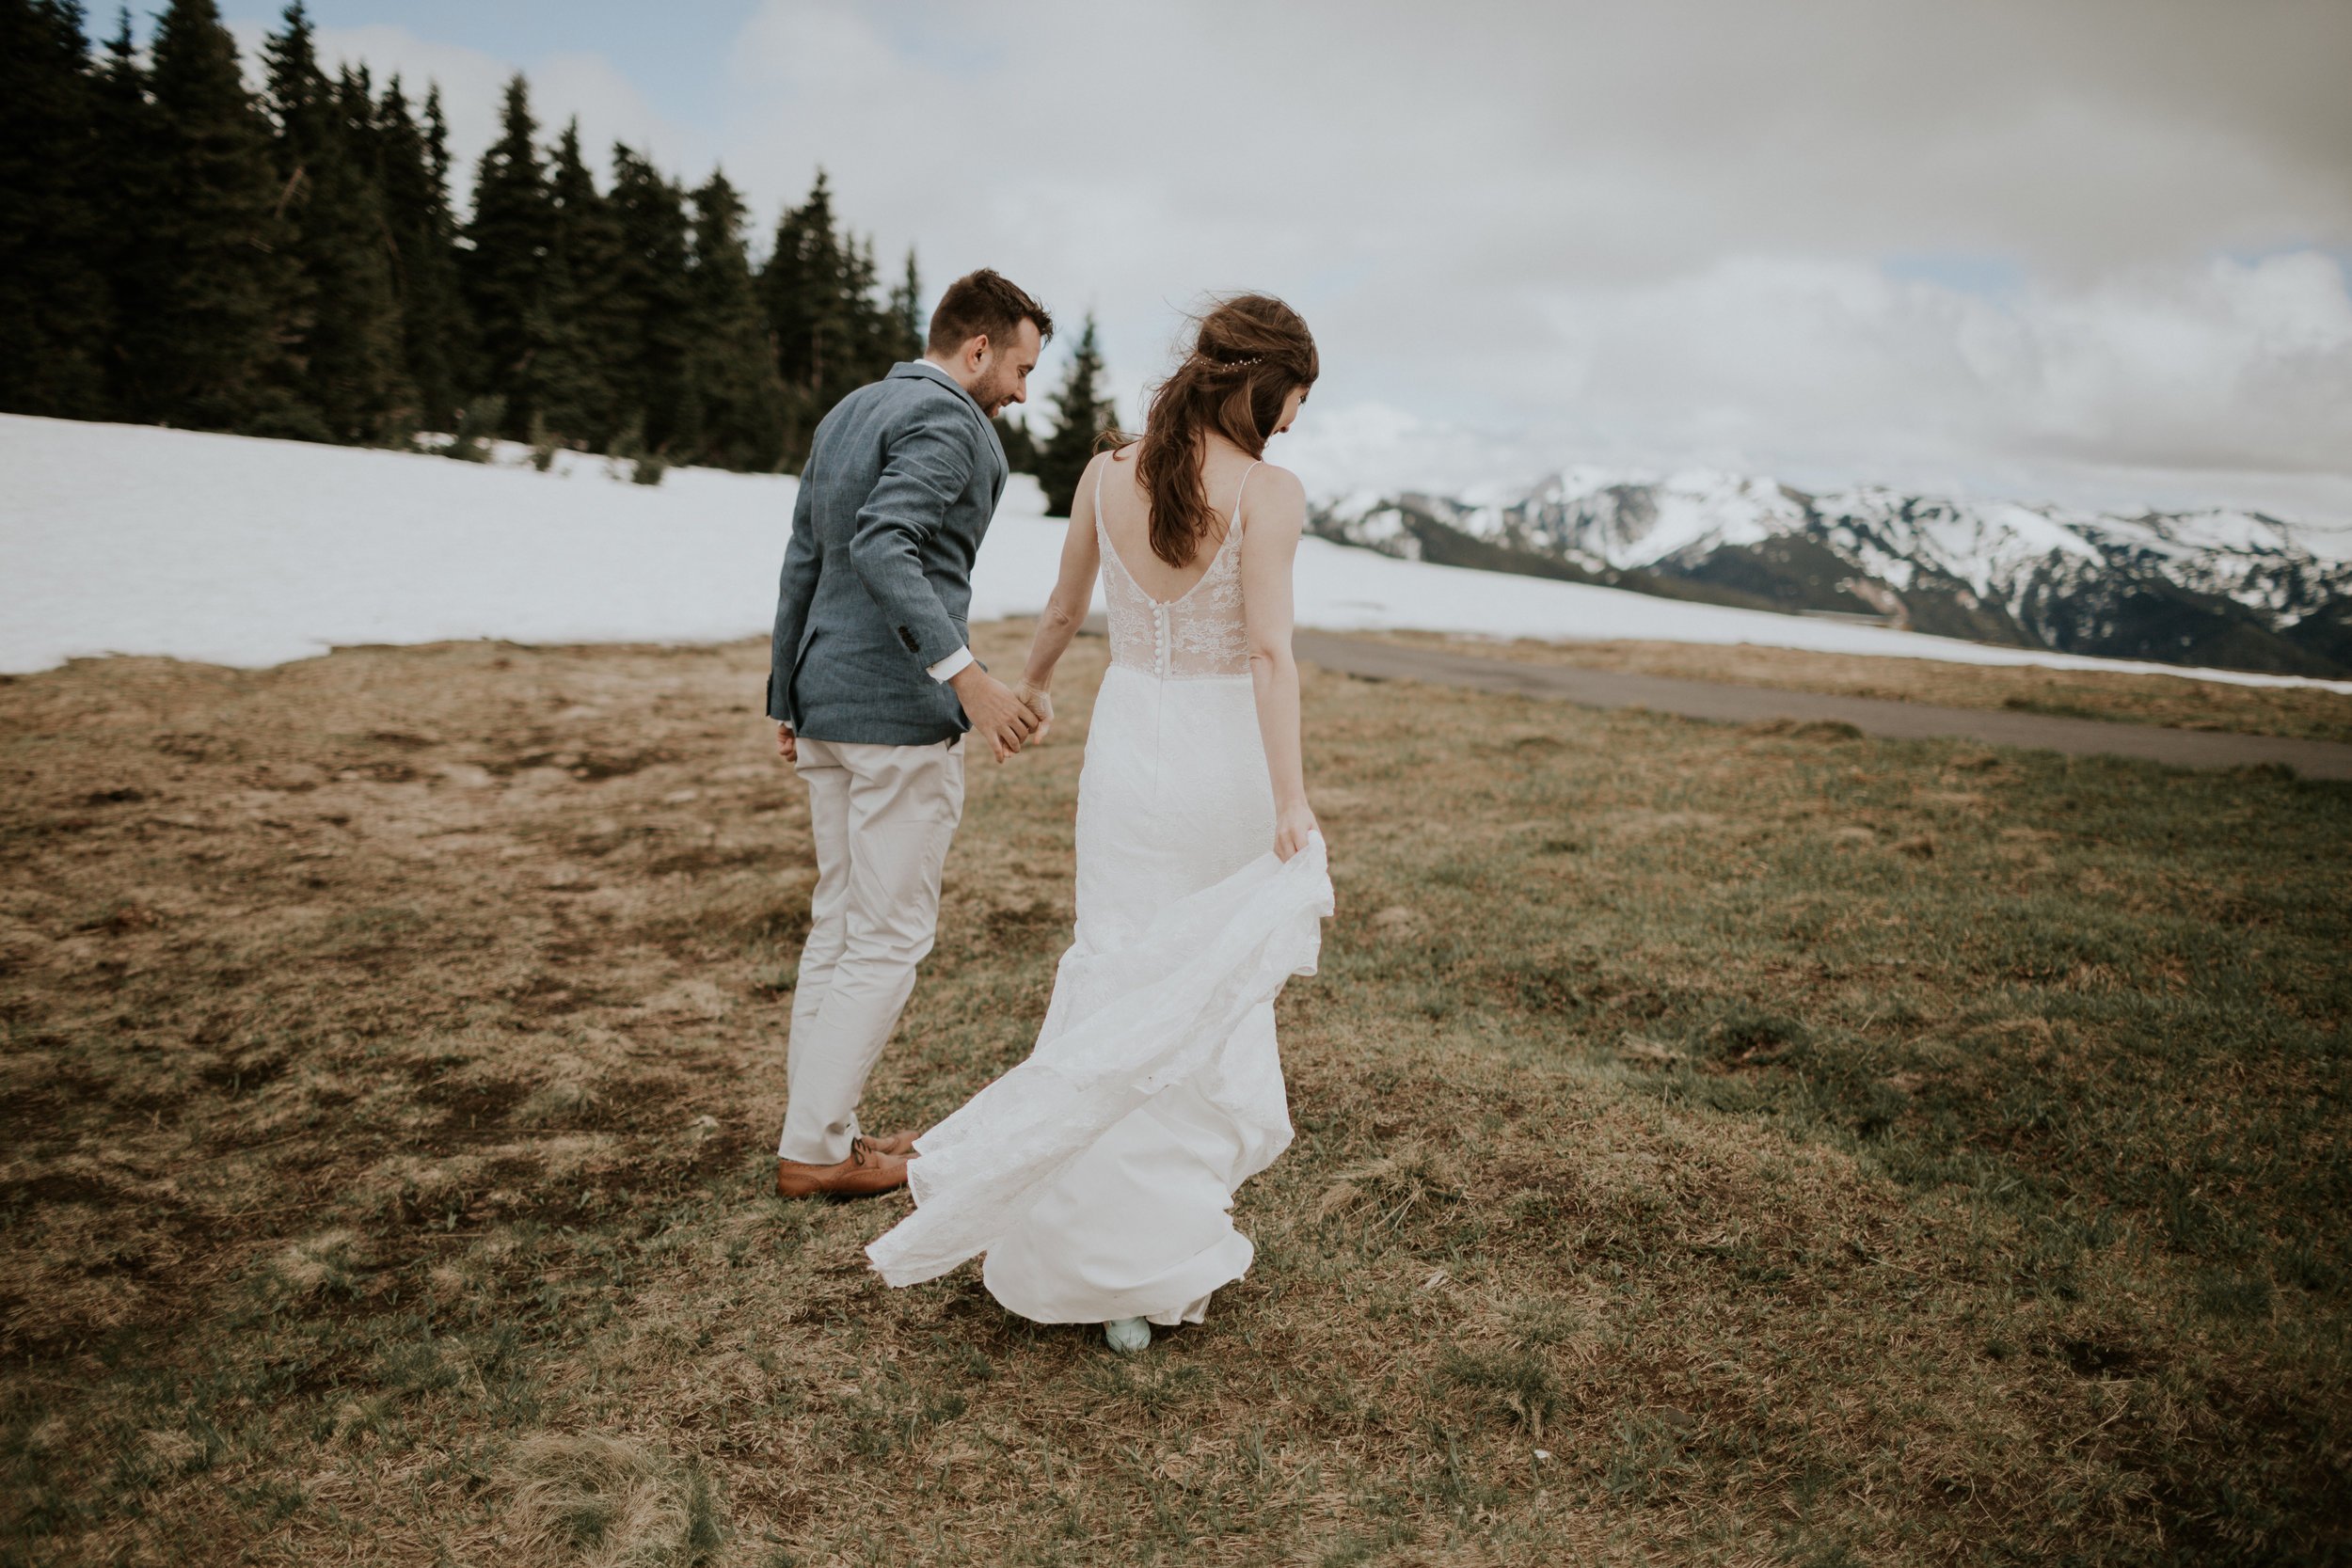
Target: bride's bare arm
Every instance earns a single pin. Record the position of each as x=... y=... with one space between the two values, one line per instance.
x=1066 y=608
x=1277 y=511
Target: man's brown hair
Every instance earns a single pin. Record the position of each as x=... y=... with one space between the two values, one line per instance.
x=983 y=304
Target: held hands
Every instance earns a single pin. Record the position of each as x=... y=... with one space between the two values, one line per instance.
x=1039 y=701
x=1003 y=720
x=1292 y=824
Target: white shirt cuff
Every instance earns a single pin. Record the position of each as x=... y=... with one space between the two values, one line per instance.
x=953 y=665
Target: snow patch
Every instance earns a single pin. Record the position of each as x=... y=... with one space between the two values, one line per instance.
x=232 y=550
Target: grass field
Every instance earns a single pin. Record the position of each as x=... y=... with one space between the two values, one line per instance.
x=1714 y=1146
x=2306 y=713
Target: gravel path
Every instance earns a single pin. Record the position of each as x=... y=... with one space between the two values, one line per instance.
x=2311 y=759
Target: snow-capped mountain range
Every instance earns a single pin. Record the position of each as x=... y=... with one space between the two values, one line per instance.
x=2235 y=589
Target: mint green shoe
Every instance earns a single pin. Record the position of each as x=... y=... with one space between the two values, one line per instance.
x=1128 y=1335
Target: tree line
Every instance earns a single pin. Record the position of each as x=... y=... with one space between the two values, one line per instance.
x=177 y=249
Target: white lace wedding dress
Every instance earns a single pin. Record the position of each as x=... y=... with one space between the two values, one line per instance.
x=1099 y=1175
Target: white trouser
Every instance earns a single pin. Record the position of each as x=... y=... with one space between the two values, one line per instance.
x=883 y=817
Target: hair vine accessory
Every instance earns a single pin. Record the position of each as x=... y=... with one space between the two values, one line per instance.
x=1235 y=364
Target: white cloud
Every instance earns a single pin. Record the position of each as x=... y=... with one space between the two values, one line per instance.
x=1592 y=229
x=2198 y=364
x=1373 y=447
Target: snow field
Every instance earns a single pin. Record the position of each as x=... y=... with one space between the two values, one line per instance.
x=230 y=550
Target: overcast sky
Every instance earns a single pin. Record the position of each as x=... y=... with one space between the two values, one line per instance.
x=2063 y=250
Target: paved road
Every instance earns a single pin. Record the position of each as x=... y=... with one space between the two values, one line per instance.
x=2312 y=759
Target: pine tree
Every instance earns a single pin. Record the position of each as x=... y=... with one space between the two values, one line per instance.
x=128 y=170
x=1080 y=417
x=832 y=335
x=653 y=304
x=576 y=373
x=435 y=330
x=505 y=265
x=799 y=290
x=906 y=311
x=465 y=337
x=872 y=336
x=173 y=249
x=1012 y=433
x=202 y=266
x=734 y=398
x=53 y=311
x=343 y=310
x=395 y=412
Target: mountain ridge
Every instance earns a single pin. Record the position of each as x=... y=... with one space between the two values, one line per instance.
x=2241 y=590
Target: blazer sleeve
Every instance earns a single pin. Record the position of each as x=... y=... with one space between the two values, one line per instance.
x=795 y=591
x=928 y=462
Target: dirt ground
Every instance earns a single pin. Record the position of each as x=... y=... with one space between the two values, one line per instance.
x=2175 y=701
x=1713 y=1146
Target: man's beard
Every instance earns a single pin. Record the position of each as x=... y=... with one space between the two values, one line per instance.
x=994 y=394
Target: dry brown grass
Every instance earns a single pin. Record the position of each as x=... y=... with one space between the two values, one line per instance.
x=602 y=1502
x=1820 y=1150
x=2176 y=702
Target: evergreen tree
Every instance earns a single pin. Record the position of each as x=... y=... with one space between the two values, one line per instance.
x=873 y=337
x=173 y=249
x=342 y=308
x=734 y=398
x=799 y=290
x=465 y=337
x=1019 y=445
x=203 y=265
x=577 y=370
x=53 y=312
x=129 y=149
x=652 y=303
x=832 y=335
x=357 y=111
x=1080 y=418
x=413 y=161
x=906 y=311
x=505 y=268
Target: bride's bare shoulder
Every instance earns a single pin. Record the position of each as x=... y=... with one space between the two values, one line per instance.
x=1117 y=460
x=1103 y=464
x=1274 y=484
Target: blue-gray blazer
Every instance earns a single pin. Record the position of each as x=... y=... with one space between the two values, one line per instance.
x=901 y=480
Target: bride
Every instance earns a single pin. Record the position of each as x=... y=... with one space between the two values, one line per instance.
x=1099 y=1175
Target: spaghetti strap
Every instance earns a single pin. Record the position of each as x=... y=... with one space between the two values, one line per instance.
x=1098 y=493
x=1233 y=524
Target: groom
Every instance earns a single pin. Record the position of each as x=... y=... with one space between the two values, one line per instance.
x=872 y=689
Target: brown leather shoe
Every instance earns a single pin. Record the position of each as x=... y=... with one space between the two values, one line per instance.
x=901 y=1144
x=866 y=1170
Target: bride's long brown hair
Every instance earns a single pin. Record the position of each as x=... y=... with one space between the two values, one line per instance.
x=1247 y=352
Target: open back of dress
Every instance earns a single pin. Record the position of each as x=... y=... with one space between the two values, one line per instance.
x=1099 y=1175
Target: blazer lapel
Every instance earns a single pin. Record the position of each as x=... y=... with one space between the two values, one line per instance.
x=1004 y=467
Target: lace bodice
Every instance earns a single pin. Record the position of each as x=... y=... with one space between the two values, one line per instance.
x=1200 y=635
